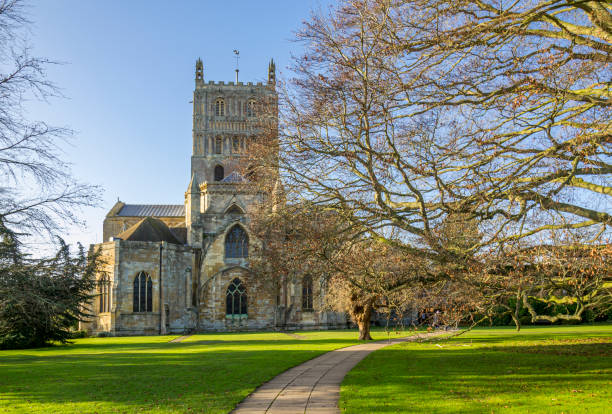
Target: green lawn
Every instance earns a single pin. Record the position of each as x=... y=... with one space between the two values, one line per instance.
x=206 y=373
x=562 y=369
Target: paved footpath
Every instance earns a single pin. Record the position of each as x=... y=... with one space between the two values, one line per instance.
x=314 y=386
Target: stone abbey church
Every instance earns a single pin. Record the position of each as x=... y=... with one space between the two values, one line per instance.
x=185 y=267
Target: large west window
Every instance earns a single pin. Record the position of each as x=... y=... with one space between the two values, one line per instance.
x=236 y=299
x=143 y=293
x=236 y=243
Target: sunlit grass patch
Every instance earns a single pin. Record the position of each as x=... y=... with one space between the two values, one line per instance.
x=204 y=373
x=538 y=370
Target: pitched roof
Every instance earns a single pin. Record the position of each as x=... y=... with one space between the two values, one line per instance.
x=149 y=229
x=180 y=233
x=155 y=210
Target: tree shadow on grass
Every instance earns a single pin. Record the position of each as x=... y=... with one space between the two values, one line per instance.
x=538 y=378
x=496 y=335
x=596 y=347
x=209 y=377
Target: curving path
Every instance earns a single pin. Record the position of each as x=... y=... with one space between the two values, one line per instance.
x=314 y=386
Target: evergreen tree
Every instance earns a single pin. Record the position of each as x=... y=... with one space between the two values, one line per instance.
x=42 y=300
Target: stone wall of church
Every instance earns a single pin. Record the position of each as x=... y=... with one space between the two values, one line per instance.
x=260 y=302
x=292 y=315
x=126 y=259
x=211 y=216
x=267 y=307
x=102 y=321
x=217 y=274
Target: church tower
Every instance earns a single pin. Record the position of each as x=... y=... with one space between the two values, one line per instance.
x=226 y=118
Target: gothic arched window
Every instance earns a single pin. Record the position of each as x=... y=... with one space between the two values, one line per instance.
x=236 y=243
x=236 y=299
x=143 y=293
x=219 y=107
x=250 y=109
x=307 y=293
x=103 y=292
x=219 y=173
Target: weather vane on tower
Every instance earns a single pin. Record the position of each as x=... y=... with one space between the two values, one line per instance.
x=237 y=53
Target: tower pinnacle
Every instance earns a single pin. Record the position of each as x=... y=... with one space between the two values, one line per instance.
x=272 y=73
x=199 y=69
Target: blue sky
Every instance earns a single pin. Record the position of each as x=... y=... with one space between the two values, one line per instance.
x=128 y=77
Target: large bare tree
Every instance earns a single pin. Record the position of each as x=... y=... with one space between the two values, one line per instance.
x=404 y=115
x=403 y=112
x=38 y=193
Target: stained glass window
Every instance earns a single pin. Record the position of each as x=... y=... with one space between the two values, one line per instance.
x=236 y=243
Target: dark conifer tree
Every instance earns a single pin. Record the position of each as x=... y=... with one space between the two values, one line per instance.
x=42 y=300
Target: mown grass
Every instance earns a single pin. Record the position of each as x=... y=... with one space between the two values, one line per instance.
x=208 y=373
x=561 y=369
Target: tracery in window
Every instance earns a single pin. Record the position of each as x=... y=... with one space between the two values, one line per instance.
x=236 y=243
x=219 y=107
x=236 y=299
x=143 y=293
x=103 y=292
x=307 y=293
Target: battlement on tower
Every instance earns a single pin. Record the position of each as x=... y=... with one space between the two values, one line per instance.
x=232 y=84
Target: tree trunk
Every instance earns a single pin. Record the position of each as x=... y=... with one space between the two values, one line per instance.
x=517 y=309
x=517 y=322
x=364 y=330
x=361 y=312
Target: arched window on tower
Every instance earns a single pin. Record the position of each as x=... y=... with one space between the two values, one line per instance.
x=143 y=293
x=219 y=107
x=236 y=243
x=236 y=299
x=103 y=292
x=219 y=173
x=307 y=293
x=250 y=110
